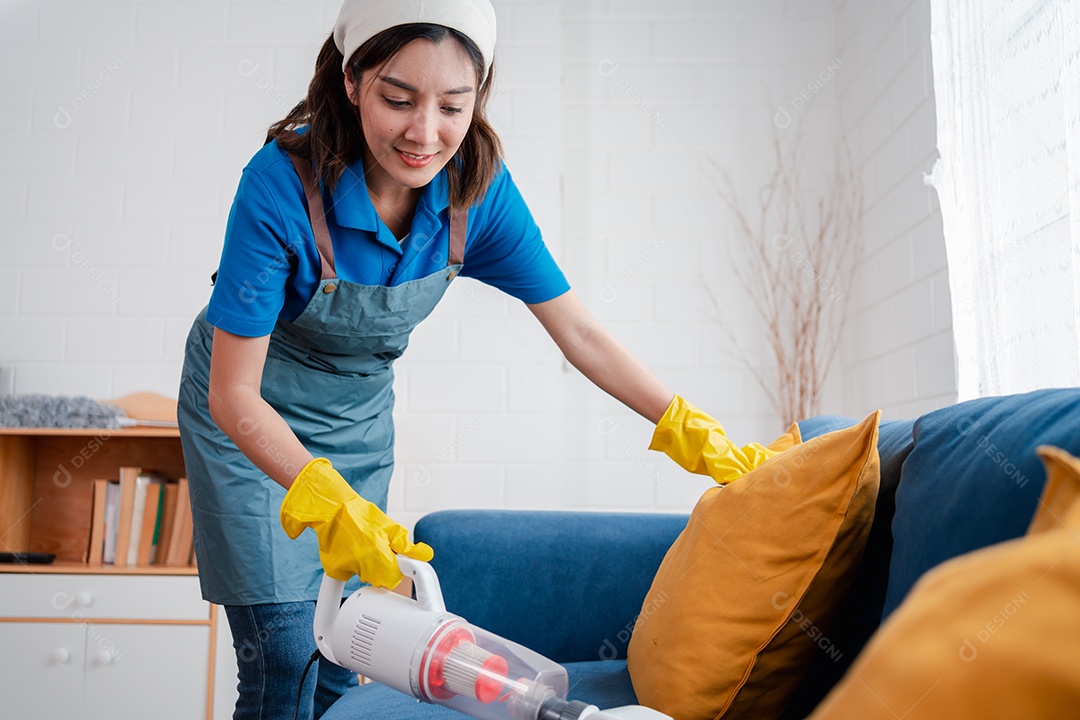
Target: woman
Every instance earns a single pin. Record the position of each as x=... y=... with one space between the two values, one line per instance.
x=342 y=237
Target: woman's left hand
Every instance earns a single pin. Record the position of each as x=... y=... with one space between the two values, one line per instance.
x=698 y=443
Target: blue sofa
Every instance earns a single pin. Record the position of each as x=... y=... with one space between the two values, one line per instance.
x=570 y=584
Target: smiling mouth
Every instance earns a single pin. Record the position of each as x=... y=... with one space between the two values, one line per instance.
x=414 y=160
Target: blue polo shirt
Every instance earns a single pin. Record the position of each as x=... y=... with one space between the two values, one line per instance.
x=270 y=267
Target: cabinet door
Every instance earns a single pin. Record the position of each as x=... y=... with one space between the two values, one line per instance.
x=41 y=670
x=135 y=672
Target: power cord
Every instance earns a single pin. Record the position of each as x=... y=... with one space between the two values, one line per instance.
x=300 y=690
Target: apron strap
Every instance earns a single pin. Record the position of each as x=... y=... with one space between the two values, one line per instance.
x=316 y=212
x=459 y=225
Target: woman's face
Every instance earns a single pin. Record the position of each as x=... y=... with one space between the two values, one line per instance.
x=415 y=111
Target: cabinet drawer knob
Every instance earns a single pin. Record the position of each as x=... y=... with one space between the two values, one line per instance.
x=106 y=658
x=84 y=599
x=61 y=655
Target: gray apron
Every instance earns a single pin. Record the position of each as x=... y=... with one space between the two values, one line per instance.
x=329 y=374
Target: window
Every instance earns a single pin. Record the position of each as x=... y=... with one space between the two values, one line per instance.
x=1007 y=90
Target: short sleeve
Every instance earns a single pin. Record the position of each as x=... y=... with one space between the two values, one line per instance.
x=256 y=263
x=506 y=249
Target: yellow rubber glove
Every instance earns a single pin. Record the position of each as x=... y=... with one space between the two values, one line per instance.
x=355 y=536
x=699 y=444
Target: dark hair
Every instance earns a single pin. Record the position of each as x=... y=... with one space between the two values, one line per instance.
x=336 y=140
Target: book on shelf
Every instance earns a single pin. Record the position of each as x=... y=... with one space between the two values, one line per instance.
x=144 y=516
x=112 y=521
x=96 y=552
x=128 y=480
x=180 y=542
x=140 y=520
x=168 y=518
x=150 y=519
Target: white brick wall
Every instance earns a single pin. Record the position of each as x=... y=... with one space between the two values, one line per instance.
x=127 y=124
x=652 y=92
x=898 y=353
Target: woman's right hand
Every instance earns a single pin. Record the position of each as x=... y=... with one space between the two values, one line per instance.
x=355 y=536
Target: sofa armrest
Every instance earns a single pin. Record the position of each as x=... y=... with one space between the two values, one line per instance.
x=567 y=585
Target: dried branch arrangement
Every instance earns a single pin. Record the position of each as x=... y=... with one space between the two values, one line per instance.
x=800 y=252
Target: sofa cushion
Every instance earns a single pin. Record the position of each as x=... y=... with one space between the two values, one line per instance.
x=859 y=615
x=605 y=684
x=973 y=478
x=988 y=634
x=515 y=573
x=734 y=614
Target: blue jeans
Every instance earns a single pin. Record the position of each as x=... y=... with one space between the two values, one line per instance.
x=273 y=643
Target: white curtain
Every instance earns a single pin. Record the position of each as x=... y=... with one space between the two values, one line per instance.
x=1007 y=89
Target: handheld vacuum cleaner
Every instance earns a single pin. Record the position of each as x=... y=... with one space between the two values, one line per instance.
x=416 y=647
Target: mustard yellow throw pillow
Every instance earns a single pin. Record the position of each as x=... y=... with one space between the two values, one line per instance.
x=788 y=440
x=991 y=634
x=744 y=596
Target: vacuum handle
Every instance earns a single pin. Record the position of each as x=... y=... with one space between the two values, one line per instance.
x=326 y=612
x=425 y=583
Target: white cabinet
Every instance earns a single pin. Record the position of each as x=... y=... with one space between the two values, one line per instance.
x=41 y=670
x=113 y=647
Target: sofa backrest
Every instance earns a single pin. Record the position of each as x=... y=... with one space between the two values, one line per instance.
x=952 y=481
x=973 y=478
x=527 y=575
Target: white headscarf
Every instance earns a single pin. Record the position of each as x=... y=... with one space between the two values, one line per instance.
x=360 y=20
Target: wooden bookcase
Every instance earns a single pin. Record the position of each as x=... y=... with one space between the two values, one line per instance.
x=46 y=488
x=90 y=635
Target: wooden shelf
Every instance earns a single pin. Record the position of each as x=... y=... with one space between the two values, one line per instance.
x=46 y=483
x=93 y=432
x=81 y=568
